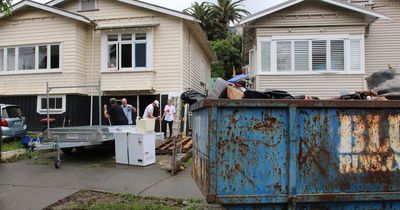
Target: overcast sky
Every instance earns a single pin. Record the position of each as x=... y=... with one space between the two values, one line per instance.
x=251 y=5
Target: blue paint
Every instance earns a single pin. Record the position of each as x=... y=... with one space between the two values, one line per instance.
x=270 y=155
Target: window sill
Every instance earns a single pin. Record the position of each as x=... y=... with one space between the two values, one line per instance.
x=126 y=71
x=24 y=72
x=308 y=73
x=50 y=112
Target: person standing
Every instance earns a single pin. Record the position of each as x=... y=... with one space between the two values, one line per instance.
x=169 y=112
x=149 y=111
x=115 y=113
x=128 y=110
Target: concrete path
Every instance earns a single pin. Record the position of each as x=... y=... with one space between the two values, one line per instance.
x=35 y=183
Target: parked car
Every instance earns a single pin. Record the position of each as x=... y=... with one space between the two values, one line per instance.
x=12 y=121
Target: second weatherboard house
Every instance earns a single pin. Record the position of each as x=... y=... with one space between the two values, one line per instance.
x=137 y=51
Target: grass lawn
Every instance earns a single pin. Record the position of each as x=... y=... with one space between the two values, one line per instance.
x=11 y=144
x=89 y=200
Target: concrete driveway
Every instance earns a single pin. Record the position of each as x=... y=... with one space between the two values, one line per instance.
x=35 y=183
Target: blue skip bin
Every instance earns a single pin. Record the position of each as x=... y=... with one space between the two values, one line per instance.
x=292 y=154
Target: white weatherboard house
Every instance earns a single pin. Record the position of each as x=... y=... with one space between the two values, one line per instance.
x=321 y=47
x=137 y=50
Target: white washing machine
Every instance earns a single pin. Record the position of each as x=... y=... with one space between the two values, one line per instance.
x=141 y=148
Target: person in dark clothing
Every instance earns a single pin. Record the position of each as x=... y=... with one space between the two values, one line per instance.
x=115 y=113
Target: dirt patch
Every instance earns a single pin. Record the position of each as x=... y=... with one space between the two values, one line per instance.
x=86 y=199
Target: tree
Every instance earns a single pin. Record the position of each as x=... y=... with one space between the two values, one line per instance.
x=229 y=11
x=228 y=51
x=5 y=6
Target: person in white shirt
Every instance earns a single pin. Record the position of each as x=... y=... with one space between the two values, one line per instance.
x=128 y=109
x=149 y=111
x=169 y=118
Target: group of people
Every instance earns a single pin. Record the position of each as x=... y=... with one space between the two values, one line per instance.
x=122 y=114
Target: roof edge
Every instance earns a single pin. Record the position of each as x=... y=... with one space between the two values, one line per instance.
x=289 y=3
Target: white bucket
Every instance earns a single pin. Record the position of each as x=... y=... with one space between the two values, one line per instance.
x=145 y=125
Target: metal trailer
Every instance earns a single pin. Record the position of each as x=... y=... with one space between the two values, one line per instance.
x=67 y=138
x=291 y=154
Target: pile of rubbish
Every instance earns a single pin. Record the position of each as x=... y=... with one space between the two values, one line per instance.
x=382 y=85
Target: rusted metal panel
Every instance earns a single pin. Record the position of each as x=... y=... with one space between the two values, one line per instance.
x=298 y=155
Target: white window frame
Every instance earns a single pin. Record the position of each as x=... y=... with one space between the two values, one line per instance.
x=149 y=50
x=310 y=38
x=96 y=6
x=36 y=69
x=51 y=111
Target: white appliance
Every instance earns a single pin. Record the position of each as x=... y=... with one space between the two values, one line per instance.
x=121 y=147
x=141 y=148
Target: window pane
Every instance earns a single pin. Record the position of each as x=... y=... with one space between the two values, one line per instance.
x=42 y=57
x=112 y=56
x=55 y=56
x=337 y=55
x=126 y=55
x=301 y=56
x=43 y=104
x=319 y=55
x=140 y=55
x=126 y=37
x=10 y=59
x=52 y=103
x=26 y=58
x=355 y=54
x=265 y=56
x=58 y=103
x=88 y=5
x=1 y=59
x=284 y=57
x=141 y=36
x=112 y=38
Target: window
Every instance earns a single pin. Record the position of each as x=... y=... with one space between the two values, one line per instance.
x=1 y=59
x=127 y=51
x=26 y=58
x=88 y=5
x=266 y=56
x=284 y=55
x=319 y=58
x=34 y=57
x=57 y=104
x=311 y=55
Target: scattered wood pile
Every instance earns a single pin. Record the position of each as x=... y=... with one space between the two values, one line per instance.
x=183 y=145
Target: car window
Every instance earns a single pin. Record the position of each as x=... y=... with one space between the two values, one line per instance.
x=13 y=111
x=4 y=113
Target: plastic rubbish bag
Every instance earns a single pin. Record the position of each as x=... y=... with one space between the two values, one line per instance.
x=191 y=96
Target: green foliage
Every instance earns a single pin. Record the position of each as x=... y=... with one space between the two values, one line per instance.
x=228 y=52
x=6 y=6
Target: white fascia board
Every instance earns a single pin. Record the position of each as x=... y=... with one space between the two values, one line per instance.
x=48 y=9
x=268 y=11
x=357 y=9
x=159 y=9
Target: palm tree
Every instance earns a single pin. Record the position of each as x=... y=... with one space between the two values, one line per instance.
x=228 y=11
x=206 y=15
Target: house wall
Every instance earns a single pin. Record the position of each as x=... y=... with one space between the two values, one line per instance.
x=38 y=27
x=196 y=65
x=382 y=42
x=167 y=51
x=310 y=18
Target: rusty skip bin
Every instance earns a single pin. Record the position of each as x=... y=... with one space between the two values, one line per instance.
x=289 y=154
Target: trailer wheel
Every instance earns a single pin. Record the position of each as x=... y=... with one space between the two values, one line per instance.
x=67 y=150
x=57 y=164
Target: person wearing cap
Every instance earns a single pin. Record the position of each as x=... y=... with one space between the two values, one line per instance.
x=149 y=111
x=115 y=113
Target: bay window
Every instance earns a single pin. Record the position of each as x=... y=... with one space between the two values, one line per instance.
x=127 y=51
x=30 y=57
x=308 y=55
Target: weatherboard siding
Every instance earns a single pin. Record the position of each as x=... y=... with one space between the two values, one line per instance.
x=323 y=86
x=34 y=27
x=382 y=43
